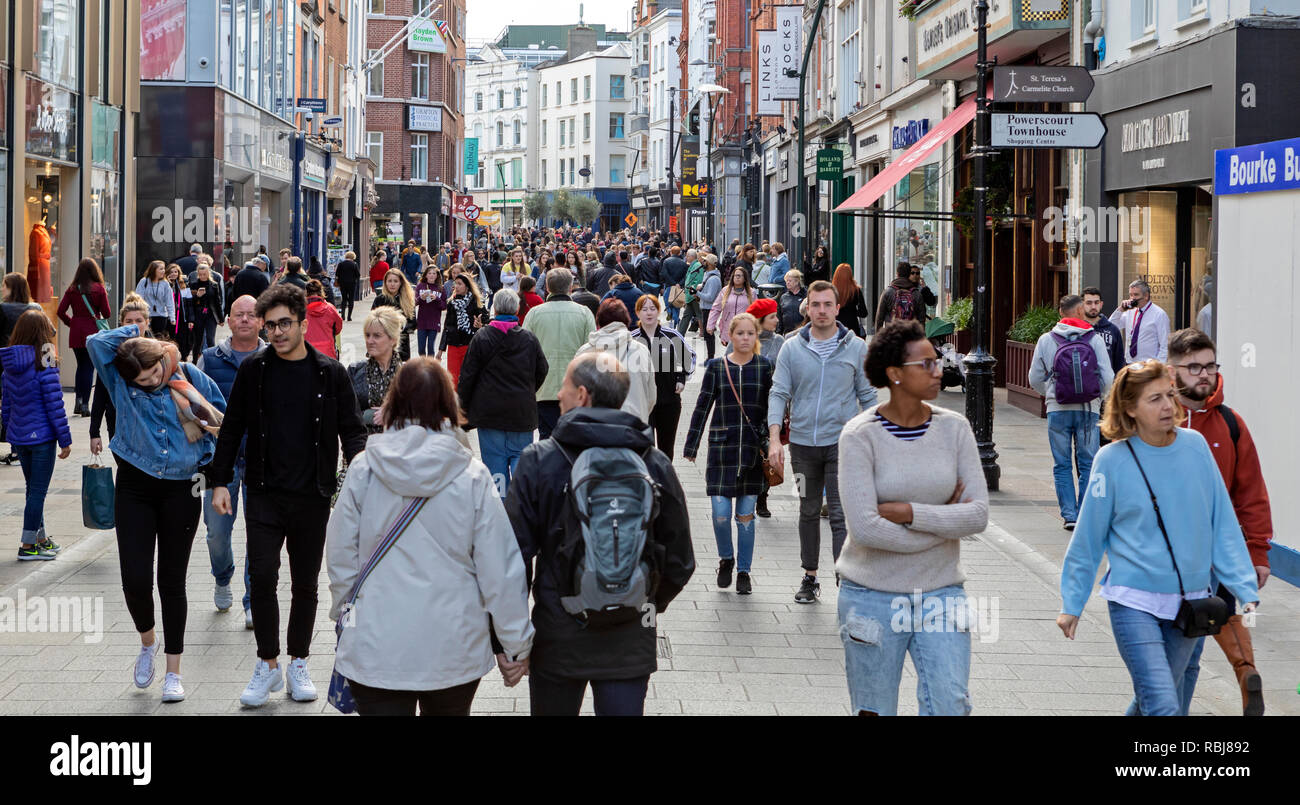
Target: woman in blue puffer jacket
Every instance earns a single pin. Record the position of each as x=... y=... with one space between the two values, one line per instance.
x=31 y=408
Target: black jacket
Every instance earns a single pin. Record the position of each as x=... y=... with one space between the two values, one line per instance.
x=499 y=379
x=247 y=282
x=347 y=272
x=492 y=270
x=652 y=271
x=674 y=270
x=598 y=280
x=330 y=401
x=671 y=358
x=853 y=311
x=324 y=280
x=787 y=308
x=562 y=647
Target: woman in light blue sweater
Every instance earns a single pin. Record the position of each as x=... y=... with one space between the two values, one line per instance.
x=1149 y=577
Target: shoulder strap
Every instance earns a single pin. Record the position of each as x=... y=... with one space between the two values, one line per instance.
x=1230 y=417
x=95 y=315
x=1159 y=520
x=399 y=526
x=726 y=370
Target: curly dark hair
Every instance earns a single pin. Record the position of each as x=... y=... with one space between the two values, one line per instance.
x=889 y=348
x=291 y=296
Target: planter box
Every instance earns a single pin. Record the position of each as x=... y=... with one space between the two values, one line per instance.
x=1020 y=356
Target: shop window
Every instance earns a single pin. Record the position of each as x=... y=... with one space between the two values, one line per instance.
x=58 y=50
x=916 y=240
x=1152 y=254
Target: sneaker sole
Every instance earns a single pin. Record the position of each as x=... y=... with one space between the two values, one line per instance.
x=173 y=697
x=37 y=558
x=294 y=695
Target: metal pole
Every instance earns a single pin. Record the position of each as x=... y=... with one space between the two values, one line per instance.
x=797 y=256
x=709 y=161
x=672 y=158
x=980 y=363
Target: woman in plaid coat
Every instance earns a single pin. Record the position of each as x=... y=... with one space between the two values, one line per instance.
x=737 y=444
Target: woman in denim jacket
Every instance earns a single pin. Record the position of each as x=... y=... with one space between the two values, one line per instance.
x=168 y=415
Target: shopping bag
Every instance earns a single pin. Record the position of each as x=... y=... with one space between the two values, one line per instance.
x=97 y=497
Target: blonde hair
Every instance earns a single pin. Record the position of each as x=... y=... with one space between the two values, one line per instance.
x=749 y=317
x=133 y=303
x=405 y=295
x=387 y=319
x=1116 y=423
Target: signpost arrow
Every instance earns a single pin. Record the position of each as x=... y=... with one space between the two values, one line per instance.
x=1028 y=83
x=1047 y=130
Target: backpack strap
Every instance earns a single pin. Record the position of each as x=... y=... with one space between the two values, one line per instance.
x=1230 y=417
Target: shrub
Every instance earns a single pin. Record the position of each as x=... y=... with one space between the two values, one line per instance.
x=1035 y=321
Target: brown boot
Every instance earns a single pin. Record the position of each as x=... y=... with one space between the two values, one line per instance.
x=1234 y=639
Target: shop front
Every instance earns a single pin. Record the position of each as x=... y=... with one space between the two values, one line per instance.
x=51 y=189
x=871 y=147
x=783 y=186
x=274 y=183
x=914 y=232
x=340 y=197
x=313 y=180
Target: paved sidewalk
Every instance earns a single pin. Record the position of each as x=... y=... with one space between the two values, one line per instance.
x=728 y=655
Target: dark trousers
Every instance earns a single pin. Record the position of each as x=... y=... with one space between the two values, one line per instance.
x=155 y=513
x=347 y=296
x=162 y=325
x=663 y=418
x=710 y=339
x=554 y=696
x=548 y=413
x=819 y=468
x=275 y=520
x=455 y=701
x=203 y=335
x=37 y=461
x=85 y=378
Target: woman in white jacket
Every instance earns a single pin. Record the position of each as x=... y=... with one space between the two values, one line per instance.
x=418 y=631
x=613 y=336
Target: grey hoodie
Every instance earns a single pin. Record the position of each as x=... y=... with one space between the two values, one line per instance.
x=711 y=286
x=1040 y=371
x=822 y=395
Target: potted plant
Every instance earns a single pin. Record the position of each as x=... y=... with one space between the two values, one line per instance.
x=1021 y=340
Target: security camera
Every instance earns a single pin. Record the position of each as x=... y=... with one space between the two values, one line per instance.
x=203 y=62
x=308 y=116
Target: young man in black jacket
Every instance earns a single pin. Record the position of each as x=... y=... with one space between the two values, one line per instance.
x=617 y=661
x=296 y=406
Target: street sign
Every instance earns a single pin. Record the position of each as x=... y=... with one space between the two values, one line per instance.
x=830 y=164
x=695 y=190
x=672 y=224
x=1032 y=84
x=630 y=220
x=332 y=120
x=1065 y=130
x=584 y=172
x=312 y=104
x=488 y=218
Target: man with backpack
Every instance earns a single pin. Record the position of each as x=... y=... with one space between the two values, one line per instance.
x=1072 y=370
x=602 y=511
x=1200 y=392
x=905 y=298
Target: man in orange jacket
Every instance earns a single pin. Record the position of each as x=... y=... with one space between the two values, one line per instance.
x=1200 y=392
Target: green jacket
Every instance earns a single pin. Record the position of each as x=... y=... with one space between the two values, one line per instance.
x=694 y=275
x=562 y=326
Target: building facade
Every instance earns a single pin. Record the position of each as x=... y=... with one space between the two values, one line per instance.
x=499 y=120
x=657 y=115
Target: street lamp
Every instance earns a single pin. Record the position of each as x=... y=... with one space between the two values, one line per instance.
x=801 y=240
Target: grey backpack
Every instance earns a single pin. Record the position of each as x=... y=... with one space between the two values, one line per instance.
x=606 y=570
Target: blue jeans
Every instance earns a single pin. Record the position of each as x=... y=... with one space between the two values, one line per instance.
x=1157 y=656
x=427 y=342
x=722 y=511
x=37 y=461
x=500 y=451
x=674 y=314
x=879 y=628
x=1075 y=439
x=219 y=527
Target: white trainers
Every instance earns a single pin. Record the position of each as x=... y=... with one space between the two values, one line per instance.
x=301 y=688
x=265 y=681
x=172 y=690
x=248 y=619
x=144 y=665
x=222 y=597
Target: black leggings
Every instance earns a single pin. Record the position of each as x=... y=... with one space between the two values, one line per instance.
x=663 y=418
x=153 y=512
x=383 y=702
x=347 y=292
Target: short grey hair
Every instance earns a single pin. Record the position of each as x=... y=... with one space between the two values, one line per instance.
x=604 y=378
x=1146 y=289
x=691 y=255
x=559 y=281
x=505 y=302
x=196 y=249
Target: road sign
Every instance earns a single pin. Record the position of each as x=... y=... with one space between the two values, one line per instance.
x=630 y=220
x=830 y=164
x=488 y=218
x=1031 y=84
x=672 y=224
x=1065 y=130
x=312 y=104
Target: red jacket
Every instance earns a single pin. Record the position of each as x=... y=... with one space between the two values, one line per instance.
x=531 y=300
x=1241 y=473
x=377 y=272
x=74 y=313
x=323 y=323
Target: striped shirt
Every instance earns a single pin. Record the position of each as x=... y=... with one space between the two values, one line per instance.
x=906 y=434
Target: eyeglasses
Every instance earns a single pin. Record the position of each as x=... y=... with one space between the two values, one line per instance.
x=1210 y=369
x=928 y=364
x=282 y=324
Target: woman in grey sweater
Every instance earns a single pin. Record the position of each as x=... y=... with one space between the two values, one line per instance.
x=913 y=487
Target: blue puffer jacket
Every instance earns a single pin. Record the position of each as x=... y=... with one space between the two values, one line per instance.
x=31 y=403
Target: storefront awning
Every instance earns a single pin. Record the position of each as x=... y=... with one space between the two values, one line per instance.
x=911 y=158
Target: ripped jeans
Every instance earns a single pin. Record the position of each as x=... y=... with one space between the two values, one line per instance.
x=879 y=628
x=722 y=512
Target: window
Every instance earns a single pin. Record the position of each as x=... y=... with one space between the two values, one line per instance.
x=1149 y=14
x=850 y=45
x=616 y=165
x=1143 y=15
x=586 y=87
x=479 y=183
x=419 y=157
x=571 y=173
x=501 y=133
x=544 y=127
x=375 y=151
x=375 y=78
x=543 y=172
x=518 y=132
x=544 y=88
x=616 y=126
x=376 y=6
x=419 y=6
x=501 y=99
x=420 y=76
x=573 y=90
x=558 y=99
x=517 y=172
x=478 y=102
x=586 y=127
x=573 y=140
x=519 y=97
x=616 y=83
x=561 y=133
x=586 y=163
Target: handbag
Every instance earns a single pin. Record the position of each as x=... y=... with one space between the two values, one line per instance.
x=340 y=693
x=677 y=297
x=97 y=507
x=1198 y=617
x=774 y=474
x=101 y=323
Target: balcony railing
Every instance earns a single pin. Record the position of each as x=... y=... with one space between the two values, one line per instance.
x=638 y=123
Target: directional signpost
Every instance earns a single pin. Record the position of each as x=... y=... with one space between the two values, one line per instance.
x=1047 y=130
x=1032 y=84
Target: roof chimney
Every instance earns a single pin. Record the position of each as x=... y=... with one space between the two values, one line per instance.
x=582 y=39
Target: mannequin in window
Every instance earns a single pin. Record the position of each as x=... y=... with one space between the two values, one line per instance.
x=38 y=261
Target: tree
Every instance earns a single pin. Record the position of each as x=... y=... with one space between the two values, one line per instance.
x=562 y=205
x=536 y=206
x=585 y=209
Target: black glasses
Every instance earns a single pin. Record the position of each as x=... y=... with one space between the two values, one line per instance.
x=1210 y=369
x=282 y=324
x=928 y=364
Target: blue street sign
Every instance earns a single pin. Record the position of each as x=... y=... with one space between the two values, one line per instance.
x=314 y=104
x=1257 y=168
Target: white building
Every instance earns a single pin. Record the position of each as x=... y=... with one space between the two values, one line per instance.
x=497 y=95
x=657 y=118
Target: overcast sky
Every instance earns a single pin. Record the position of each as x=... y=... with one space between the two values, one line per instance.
x=487 y=18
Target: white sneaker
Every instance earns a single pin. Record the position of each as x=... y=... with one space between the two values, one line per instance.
x=172 y=690
x=248 y=619
x=222 y=597
x=301 y=688
x=144 y=665
x=265 y=681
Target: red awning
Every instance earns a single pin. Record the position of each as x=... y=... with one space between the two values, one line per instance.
x=910 y=159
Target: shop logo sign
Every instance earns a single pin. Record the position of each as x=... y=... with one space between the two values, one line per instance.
x=1157 y=131
x=193 y=224
x=276 y=161
x=49 y=119
x=906 y=136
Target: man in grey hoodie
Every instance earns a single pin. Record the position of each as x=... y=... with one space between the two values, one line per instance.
x=1071 y=426
x=821 y=377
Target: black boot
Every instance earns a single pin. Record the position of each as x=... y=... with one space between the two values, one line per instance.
x=724 y=573
x=761 y=509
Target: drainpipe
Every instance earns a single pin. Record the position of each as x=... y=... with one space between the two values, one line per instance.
x=1090 y=33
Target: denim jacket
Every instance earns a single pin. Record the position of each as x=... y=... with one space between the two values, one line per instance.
x=149 y=434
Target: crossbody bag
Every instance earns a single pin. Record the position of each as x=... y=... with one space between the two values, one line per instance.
x=774 y=473
x=1198 y=617
x=101 y=323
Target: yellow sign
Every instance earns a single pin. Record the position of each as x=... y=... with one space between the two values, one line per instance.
x=488 y=218
x=631 y=219
x=695 y=190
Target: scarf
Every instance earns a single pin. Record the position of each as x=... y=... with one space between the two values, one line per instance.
x=197 y=416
